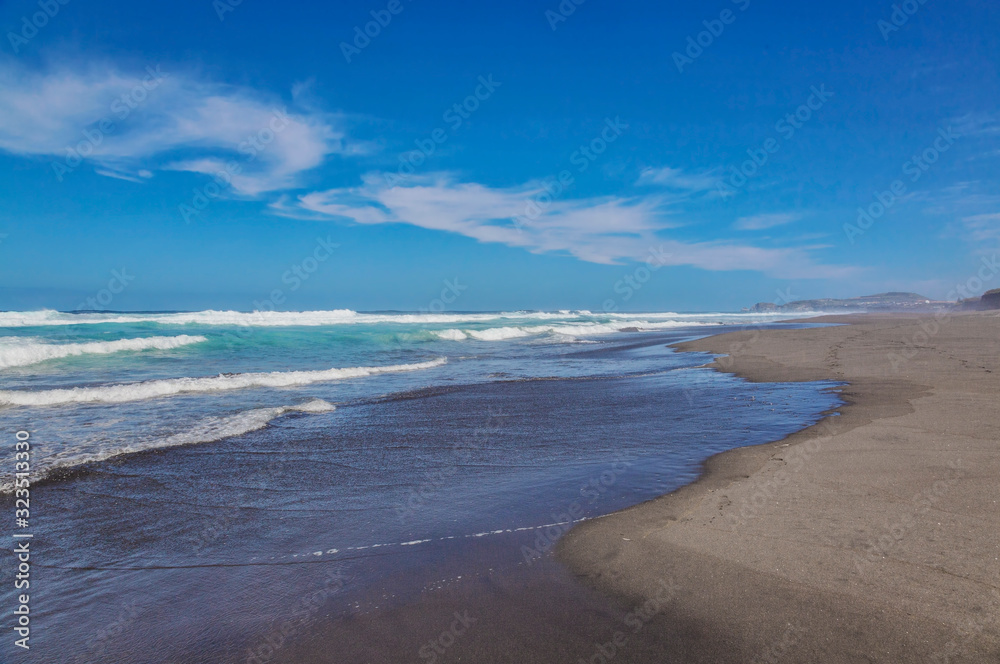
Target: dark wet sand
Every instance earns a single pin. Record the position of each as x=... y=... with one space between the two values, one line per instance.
x=872 y=536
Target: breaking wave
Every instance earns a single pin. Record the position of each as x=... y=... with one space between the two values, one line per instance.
x=171 y=386
x=25 y=351
x=567 y=331
x=209 y=430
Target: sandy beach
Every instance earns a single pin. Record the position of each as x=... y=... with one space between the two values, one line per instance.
x=872 y=536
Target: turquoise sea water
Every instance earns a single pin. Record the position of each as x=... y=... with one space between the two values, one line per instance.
x=188 y=464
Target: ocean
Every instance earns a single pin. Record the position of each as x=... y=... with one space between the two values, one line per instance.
x=202 y=473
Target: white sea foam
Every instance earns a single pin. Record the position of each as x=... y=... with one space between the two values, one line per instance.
x=566 y=332
x=491 y=333
x=170 y=386
x=451 y=335
x=209 y=430
x=24 y=351
x=216 y=428
x=504 y=333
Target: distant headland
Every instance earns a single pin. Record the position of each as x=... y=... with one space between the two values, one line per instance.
x=882 y=302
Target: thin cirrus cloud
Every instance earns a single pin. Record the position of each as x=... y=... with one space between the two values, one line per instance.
x=759 y=222
x=977 y=124
x=982 y=228
x=605 y=230
x=162 y=120
x=678 y=179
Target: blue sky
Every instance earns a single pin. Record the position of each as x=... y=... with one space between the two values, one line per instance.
x=544 y=155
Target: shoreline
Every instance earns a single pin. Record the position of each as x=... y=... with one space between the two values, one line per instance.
x=795 y=549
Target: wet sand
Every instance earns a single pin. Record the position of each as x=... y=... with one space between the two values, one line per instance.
x=872 y=536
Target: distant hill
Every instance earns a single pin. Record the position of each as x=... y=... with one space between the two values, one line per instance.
x=879 y=302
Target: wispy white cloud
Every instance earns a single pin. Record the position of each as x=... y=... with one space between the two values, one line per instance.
x=927 y=67
x=606 y=230
x=982 y=228
x=111 y=173
x=158 y=119
x=759 y=222
x=676 y=178
x=978 y=124
x=961 y=199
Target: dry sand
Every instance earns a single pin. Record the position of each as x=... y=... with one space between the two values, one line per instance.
x=872 y=536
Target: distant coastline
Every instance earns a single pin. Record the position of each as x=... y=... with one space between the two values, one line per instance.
x=881 y=302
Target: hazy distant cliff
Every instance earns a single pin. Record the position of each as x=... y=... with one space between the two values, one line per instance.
x=989 y=300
